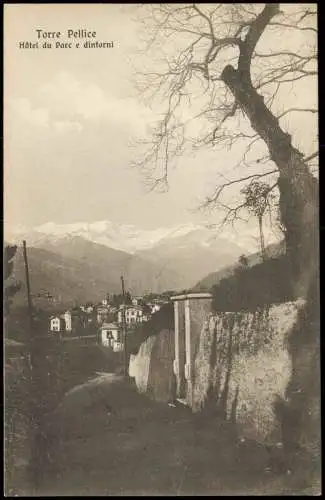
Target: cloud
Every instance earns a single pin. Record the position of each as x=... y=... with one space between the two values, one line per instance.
x=23 y=109
x=68 y=97
x=69 y=106
x=66 y=126
x=24 y=117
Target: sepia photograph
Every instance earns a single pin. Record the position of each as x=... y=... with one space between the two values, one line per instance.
x=161 y=250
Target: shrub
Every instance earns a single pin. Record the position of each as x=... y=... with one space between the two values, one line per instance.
x=249 y=288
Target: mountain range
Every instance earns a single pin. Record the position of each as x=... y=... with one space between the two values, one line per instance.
x=126 y=237
x=79 y=262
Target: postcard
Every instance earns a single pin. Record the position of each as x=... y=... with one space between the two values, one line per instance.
x=161 y=263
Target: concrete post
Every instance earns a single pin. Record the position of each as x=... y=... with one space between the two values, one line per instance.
x=177 y=356
x=188 y=351
x=189 y=299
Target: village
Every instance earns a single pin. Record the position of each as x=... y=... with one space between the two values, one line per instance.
x=107 y=321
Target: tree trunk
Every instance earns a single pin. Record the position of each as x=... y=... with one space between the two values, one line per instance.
x=300 y=412
x=260 y=225
x=298 y=188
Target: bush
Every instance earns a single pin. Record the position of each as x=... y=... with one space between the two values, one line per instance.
x=266 y=283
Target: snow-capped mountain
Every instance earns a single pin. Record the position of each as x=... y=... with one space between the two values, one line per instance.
x=85 y=259
x=129 y=238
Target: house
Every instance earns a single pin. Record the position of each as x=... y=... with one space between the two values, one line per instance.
x=68 y=321
x=61 y=322
x=111 y=336
x=57 y=324
x=102 y=314
x=136 y=301
x=133 y=314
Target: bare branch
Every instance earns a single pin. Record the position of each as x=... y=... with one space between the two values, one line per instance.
x=298 y=110
x=311 y=157
x=218 y=191
x=206 y=39
x=195 y=7
x=286 y=53
x=292 y=26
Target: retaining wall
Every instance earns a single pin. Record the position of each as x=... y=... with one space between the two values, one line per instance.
x=240 y=365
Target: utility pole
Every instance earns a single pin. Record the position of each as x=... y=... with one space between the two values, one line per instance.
x=124 y=329
x=35 y=412
x=30 y=348
x=29 y=296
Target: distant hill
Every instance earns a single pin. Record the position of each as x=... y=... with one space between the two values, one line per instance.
x=66 y=280
x=76 y=270
x=274 y=250
x=193 y=254
x=176 y=257
x=109 y=264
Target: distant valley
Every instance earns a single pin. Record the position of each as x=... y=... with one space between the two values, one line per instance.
x=78 y=270
x=73 y=266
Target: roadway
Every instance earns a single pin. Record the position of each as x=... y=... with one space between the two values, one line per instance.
x=110 y=440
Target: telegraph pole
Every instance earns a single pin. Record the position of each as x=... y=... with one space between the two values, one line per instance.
x=30 y=349
x=29 y=296
x=124 y=329
x=35 y=412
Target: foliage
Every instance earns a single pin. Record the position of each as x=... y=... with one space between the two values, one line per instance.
x=146 y=309
x=261 y=285
x=119 y=299
x=258 y=197
x=243 y=260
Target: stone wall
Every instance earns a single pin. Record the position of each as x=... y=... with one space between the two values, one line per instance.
x=244 y=366
x=152 y=367
x=140 y=364
x=241 y=365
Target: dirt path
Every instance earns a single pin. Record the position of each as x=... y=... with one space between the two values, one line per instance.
x=109 y=440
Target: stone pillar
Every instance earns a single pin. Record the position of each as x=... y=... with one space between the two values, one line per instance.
x=188 y=325
x=177 y=346
x=188 y=352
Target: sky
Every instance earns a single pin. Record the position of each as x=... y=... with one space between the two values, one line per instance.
x=70 y=116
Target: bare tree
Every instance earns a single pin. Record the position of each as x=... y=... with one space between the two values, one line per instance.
x=221 y=67
x=215 y=53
